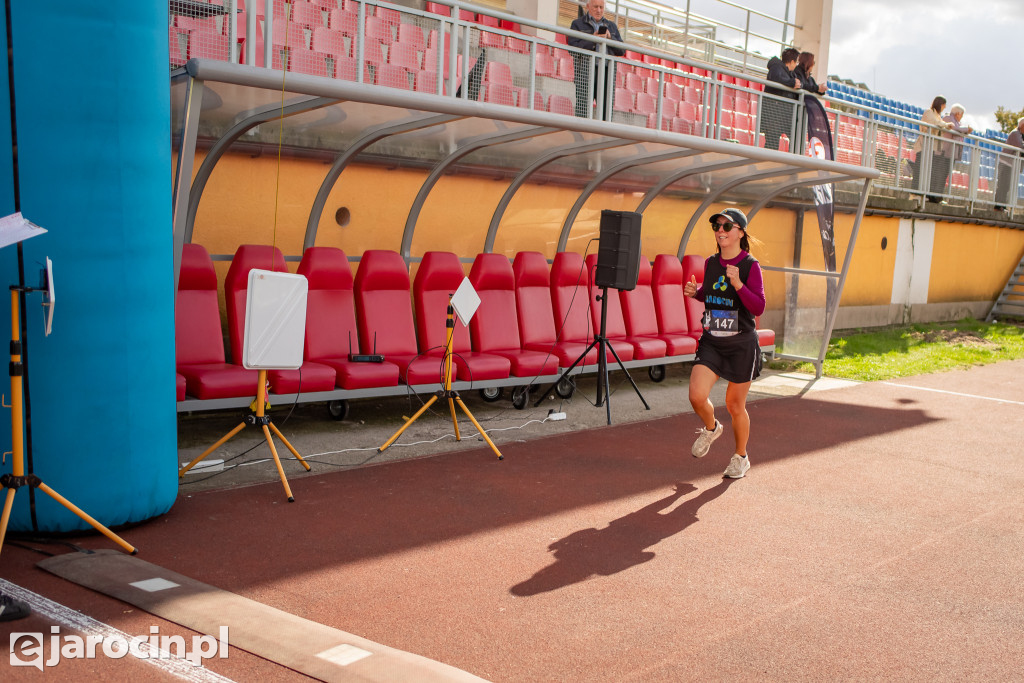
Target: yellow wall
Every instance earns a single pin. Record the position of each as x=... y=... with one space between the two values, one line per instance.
x=970 y=262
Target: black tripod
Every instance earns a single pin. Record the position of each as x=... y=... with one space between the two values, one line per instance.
x=601 y=342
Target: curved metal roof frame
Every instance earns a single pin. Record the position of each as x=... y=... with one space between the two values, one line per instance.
x=608 y=148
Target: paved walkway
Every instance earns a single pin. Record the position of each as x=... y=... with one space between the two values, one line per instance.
x=877 y=535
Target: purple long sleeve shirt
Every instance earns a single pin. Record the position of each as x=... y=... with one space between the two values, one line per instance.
x=752 y=293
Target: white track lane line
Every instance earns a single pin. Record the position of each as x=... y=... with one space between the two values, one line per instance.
x=956 y=393
x=72 y=619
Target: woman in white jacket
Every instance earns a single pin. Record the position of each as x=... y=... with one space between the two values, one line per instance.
x=933 y=117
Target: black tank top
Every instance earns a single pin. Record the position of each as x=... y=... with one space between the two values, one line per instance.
x=724 y=312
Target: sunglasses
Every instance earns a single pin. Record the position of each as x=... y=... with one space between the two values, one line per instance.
x=724 y=226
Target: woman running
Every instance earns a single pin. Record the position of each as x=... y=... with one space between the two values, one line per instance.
x=733 y=295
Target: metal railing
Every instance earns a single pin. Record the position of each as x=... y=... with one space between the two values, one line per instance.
x=482 y=54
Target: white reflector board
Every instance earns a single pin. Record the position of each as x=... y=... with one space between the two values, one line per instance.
x=275 y=320
x=465 y=301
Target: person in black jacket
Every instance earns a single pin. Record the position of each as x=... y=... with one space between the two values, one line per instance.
x=802 y=72
x=594 y=22
x=776 y=116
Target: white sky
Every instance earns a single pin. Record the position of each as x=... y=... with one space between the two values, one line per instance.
x=913 y=50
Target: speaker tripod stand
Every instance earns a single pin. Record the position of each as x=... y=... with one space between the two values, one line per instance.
x=603 y=348
x=12 y=482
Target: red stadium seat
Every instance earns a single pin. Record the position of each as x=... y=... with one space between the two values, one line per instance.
x=536 y=316
x=391 y=76
x=693 y=265
x=331 y=333
x=405 y=56
x=641 y=313
x=330 y=42
x=570 y=294
x=307 y=62
x=180 y=387
x=669 y=301
x=411 y=34
x=495 y=327
x=384 y=316
x=639 y=348
x=198 y=340
x=560 y=104
x=307 y=14
x=310 y=376
x=438 y=276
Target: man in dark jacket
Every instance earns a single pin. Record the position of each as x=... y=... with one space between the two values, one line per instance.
x=776 y=116
x=594 y=22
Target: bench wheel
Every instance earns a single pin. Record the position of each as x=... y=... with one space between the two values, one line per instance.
x=565 y=388
x=520 y=397
x=490 y=394
x=338 y=410
x=656 y=373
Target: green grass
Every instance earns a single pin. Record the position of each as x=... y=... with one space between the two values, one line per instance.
x=916 y=350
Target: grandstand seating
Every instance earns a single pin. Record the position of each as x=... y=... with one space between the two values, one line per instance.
x=331 y=333
x=437 y=278
x=311 y=376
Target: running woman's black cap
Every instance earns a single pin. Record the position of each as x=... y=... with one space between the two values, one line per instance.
x=733 y=216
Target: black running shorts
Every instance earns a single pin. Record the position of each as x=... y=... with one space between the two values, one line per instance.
x=737 y=358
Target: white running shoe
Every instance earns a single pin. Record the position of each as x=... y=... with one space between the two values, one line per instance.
x=704 y=438
x=738 y=467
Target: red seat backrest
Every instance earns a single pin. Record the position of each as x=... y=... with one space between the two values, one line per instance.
x=570 y=290
x=667 y=288
x=638 y=304
x=383 y=306
x=533 y=298
x=330 y=304
x=197 y=332
x=439 y=275
x=615 y=326
x=495 y=327
x=236 y=284
x=694 y=265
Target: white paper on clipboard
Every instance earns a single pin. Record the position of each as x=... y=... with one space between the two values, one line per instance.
x=16 y=228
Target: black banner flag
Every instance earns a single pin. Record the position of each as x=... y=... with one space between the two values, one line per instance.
x=819 y=138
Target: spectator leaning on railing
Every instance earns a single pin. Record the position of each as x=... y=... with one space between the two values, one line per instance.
x=804 y=69
x=1006 y=175
x=776 y=116
x=933 y=117
x=594 y=22
x=949 y=151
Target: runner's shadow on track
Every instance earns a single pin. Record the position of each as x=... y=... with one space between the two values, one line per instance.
x=620 y=545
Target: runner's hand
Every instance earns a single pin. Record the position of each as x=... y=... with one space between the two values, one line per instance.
x=690 y=288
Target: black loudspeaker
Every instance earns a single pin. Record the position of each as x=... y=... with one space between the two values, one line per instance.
x=618 y=251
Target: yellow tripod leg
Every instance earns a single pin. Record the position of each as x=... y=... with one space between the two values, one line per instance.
x=211 y=449
x=86 y=518
x=277 y=461
x=480 y=429
x=407 y=423
x=455 y=420
x=277 y=431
